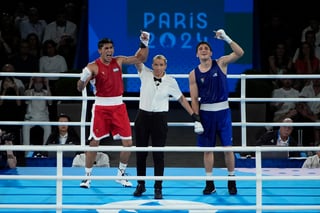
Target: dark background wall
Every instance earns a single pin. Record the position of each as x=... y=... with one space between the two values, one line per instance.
x=295 y=15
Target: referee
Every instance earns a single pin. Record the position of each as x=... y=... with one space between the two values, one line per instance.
x=151 y=121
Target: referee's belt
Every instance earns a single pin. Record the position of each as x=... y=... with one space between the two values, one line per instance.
x=152 y=113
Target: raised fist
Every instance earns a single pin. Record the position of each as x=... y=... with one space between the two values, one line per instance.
x=144 y=38
x=221 y=34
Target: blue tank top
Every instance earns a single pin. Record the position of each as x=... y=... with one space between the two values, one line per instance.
x=212 y=85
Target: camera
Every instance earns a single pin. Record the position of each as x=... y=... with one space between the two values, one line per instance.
x=7 y=137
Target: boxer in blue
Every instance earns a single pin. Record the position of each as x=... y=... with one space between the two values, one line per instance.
x=209 y=98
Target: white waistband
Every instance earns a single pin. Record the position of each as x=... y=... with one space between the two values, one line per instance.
x=215 y=106
x=108 y=101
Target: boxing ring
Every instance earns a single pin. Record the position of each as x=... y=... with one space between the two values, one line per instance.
x=56 y=189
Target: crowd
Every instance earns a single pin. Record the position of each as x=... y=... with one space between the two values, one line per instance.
x=31 y=42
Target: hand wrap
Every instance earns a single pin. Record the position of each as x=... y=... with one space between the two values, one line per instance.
x=86 y=74
x=144 y=39
x=221 y=34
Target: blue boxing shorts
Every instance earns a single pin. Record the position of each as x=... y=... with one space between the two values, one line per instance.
x=215 y=123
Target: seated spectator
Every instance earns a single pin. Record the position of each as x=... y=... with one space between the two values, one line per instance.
x=11 y=110
x=280 y=109
x=310 y=37
x=281 y=137
x=310 y=111
x=37 y=110
x=306 y=63
x=314 y=25
x=24 y=61
x=8 y=158
x=17 y=83
x=312 y=161
x=63 y=134
x=35 y=46
x=279 y=62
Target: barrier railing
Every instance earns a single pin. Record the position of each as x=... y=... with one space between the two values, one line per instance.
x=59 y=177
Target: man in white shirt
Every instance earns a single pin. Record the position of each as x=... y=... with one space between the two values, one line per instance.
x=284 y=109
x=312 y=161
x=33 y=24
x=61 y=30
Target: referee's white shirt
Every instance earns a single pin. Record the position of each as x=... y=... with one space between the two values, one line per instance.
x=154 y=96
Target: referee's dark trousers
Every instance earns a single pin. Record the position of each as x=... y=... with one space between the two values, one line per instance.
x=151 y=125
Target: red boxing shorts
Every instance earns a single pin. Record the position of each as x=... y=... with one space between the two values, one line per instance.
x=110 y=119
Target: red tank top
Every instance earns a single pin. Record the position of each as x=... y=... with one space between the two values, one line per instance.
x=108 y=81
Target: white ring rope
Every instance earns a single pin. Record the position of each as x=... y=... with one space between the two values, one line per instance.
x=243 y=148
x=156 y=149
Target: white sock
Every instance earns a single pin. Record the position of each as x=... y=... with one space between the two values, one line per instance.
x=88 y=171
x=231 y=173
x=209 y=173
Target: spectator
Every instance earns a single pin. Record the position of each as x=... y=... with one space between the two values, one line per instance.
x=306 y=63
x=312 y=161
x=309 y=111
x=9 y=38
x=10 y=88
x=20 y=14
x=64 y=33
x=33 y=24
x=23 y=61
x=37 y=110
x=280 y=109
x=7 y=158
x=63 y=134
x=72 y=7
x=314 y=25
x=5 y=51
x=276 y=30
x=61 y=29
x=281 y=137
x=18 y=84
x=280 y=62
x=52 y=62
x=35 y=46
x=11 y=110
x=310 y=37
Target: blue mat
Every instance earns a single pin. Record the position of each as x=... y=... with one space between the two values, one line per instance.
x=179 y=192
